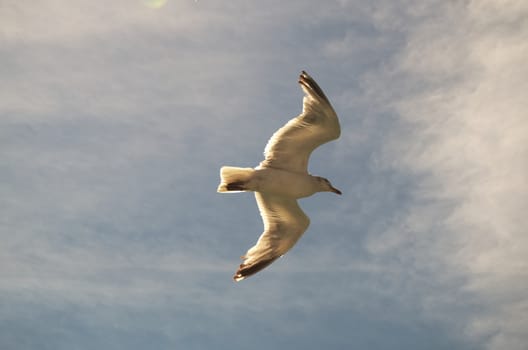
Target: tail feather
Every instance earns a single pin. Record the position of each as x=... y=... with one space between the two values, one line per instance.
x=234 y=179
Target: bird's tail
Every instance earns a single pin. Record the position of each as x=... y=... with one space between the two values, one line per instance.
x=234 y=179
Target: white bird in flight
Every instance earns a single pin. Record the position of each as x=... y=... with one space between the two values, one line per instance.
x=282 y=177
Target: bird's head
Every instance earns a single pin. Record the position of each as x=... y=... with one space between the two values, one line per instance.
x=326 y=186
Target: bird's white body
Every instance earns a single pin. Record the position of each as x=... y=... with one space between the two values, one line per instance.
x=282 y=177
x=275 y=181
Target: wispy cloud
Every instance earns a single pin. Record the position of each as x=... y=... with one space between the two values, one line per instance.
x=466 y=138
x=117 y=118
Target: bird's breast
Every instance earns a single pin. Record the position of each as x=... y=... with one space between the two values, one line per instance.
x=283 y=183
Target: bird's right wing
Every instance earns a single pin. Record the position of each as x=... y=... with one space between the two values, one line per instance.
x=284 y=223
x=289 y=148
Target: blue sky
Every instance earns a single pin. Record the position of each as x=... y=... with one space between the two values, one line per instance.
x=115 y=118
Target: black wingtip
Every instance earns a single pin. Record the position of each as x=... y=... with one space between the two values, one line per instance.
x=245 y=271
x=307 y=81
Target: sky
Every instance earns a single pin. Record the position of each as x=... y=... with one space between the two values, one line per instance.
x=115 y=118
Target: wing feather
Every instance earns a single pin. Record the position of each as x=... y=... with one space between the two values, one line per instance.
x=289 y=148
x=284 y=223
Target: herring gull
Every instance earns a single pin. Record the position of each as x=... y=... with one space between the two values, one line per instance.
x=282 y=177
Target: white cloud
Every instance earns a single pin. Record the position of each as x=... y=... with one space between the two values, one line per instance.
x=468 y=141
x=116 y=114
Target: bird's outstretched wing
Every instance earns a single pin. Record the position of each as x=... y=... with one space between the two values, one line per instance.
x=284 y=223
x=290 y=147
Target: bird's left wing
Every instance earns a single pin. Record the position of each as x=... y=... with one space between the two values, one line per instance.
x=284 y=223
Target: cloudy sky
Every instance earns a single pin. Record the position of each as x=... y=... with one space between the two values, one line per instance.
x=115 y=118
